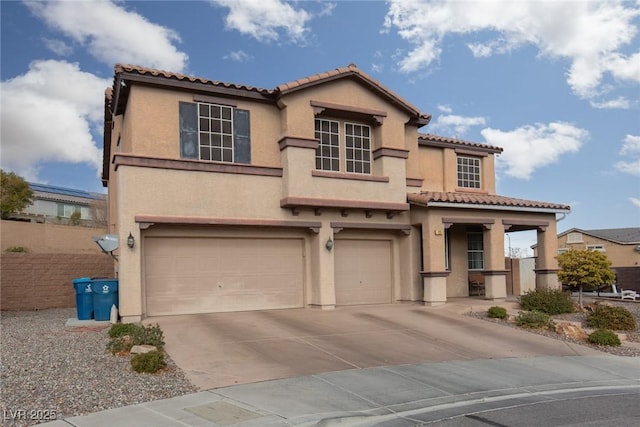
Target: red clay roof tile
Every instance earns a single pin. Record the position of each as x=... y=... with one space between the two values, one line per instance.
x=432 y=198
x=429 y=137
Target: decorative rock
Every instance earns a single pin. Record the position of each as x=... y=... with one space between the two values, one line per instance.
x=145 y=348
x=571 y=331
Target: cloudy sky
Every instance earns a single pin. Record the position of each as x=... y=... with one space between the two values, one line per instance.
x=556 y=84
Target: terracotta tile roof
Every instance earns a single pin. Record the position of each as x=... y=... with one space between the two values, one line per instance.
x=349 y=70
x=435 y=198
x=426 y=138
x=135 y=69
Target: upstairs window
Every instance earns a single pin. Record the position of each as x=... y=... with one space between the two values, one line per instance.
x=214 y=132
x=468 y=172
x=328 y=151
x=358 y=147
x=338 y=141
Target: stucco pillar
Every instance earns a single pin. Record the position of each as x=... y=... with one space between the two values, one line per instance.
x=546 y=263
x=323 y=290
x=495 y=275
x=129 y=282
x=434 y=274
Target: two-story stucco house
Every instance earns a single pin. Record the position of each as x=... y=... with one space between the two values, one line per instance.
x=321 y=192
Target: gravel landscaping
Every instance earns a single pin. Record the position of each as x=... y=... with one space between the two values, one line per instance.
x=631 y=339
x=49 y=371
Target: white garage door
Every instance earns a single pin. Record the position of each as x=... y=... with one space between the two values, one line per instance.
x=204 y=275
x=363 y=272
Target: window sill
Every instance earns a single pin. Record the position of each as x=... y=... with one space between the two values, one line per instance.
x=349 y=176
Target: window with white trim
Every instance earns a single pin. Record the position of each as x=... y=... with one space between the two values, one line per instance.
x=475 y=250
x=562 y=250
x=215 y=128
x=574 y=238
x=214 y=132
x=358 y=147
x=328 y=151
x=468 y=172
x=349 y=150
x=597 y=248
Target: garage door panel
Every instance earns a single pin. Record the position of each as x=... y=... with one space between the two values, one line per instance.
x=363 y=272
x=202 y=275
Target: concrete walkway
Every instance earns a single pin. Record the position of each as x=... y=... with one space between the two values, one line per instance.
x=404 y=395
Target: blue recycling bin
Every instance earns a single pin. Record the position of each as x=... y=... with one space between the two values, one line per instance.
x=105 y=295
x=84 y=298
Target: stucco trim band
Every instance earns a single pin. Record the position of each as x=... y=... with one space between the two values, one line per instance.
x=352 y=176
x=434 y=273
x=339 y=226
x=540 y=225
x=315 y=202
x=193 y=165
x=485 y=222
x=147 y=220
x=414 y=182
x=390 y=152
x=494 y=272
x=293 y=141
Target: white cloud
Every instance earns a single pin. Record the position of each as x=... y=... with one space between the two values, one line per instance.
x=630 y=149
x=239 y=56
x=531 y=147
x=445 y=109
x=635 y=201
x=264 y=20
x=617 y=103
x=591 y=35
x=112 y=34
x=58 y=47
x=631 y=145
x=47 y=115
x=455 y=125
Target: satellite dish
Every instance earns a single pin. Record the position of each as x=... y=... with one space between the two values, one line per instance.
x=108 y=242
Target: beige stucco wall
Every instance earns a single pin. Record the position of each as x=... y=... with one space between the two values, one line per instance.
x=50 y=238
x=299 y=116
x=619 y=255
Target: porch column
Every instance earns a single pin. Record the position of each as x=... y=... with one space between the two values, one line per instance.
x=546 y=263
x=434 y=276
x=323 y=291
x=495 y=275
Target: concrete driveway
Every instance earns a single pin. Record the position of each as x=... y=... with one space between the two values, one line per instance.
x=223 y=349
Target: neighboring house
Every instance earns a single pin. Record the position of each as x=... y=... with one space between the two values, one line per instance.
x=320 y=192
x=621 y=245
x=57 y=205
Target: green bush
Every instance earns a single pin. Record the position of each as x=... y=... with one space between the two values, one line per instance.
x=497 y=312
x=19 y=249
x=124 y=336
x=534 y=320
x=604 y=337
x=150 y=362
x=550 y=301
x=607 y=317
x=122 y=329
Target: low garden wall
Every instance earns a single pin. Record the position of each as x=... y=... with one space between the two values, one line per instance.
x=35 y=281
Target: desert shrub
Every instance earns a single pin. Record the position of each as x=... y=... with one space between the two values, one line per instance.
x=150 y=362
x=550 y=301
x=608 y=317
x=604 y=337
x=18 y=249
x=127 y=335
x=497 y=312
x=534 y=320
x=122 y=329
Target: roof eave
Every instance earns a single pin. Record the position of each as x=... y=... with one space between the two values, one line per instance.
x=492 y=207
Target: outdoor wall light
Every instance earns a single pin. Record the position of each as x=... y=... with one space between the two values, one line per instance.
x=130 y=241
x=329 y=244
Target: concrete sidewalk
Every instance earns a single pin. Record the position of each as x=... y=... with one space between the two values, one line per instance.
x=403 y=395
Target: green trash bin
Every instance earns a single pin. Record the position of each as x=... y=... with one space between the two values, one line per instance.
x=105 y=295
x=84 y=297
